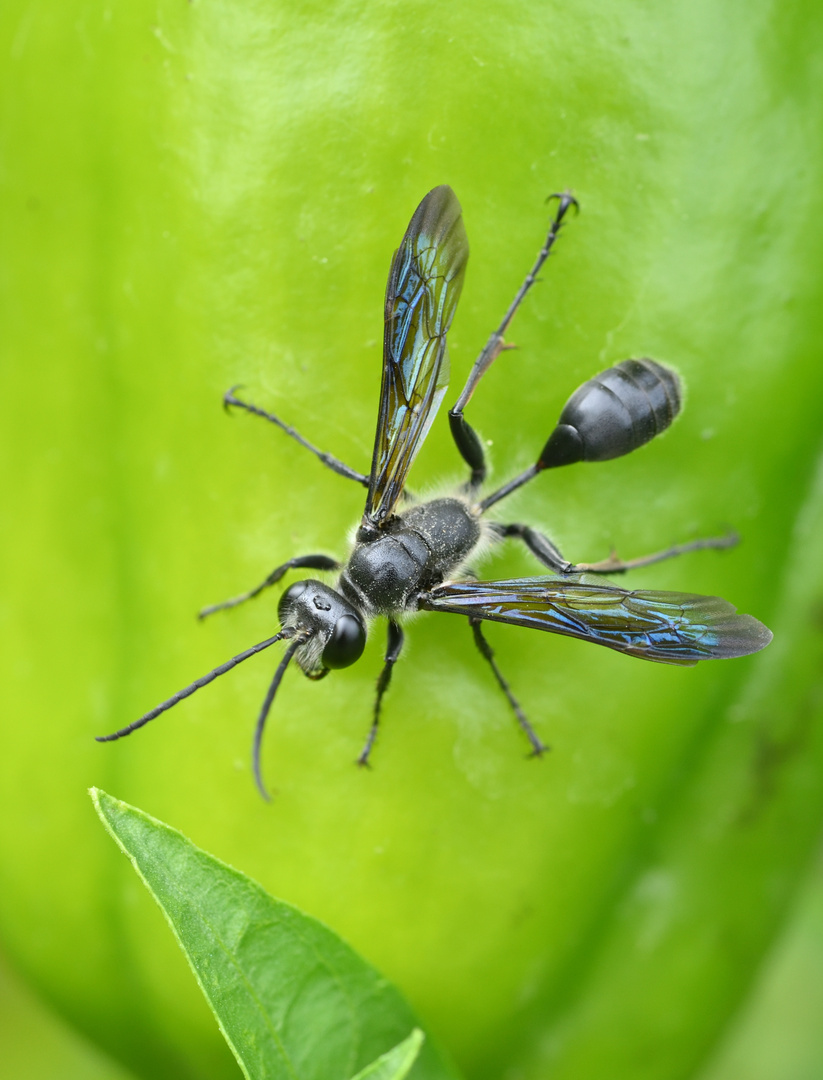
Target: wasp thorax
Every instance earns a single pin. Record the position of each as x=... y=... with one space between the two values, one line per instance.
x=338 y=635
x=614 y=413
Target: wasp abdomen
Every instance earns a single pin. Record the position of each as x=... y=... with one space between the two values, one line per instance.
x=614 y=413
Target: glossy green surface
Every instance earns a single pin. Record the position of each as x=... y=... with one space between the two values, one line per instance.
x=777 y=1033
x=36 y=1043
x=201 y=194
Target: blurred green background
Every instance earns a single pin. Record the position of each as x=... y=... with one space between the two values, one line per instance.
x=198 y=194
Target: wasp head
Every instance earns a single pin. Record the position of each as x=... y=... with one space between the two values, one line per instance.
x=337 y=632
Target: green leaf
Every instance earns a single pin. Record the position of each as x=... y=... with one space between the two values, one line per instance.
x=395 y=1064
x=291 y=998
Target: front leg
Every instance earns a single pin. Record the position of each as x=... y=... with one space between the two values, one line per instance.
x=305 y=562
x=395 y=644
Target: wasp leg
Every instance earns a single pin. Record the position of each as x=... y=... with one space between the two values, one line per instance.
x=487 y=653
x=549 y=555
x=395 y=644
x=614 y=565
x=229 y=398
x=306 y=562
x=465 y=437
x=539 y=545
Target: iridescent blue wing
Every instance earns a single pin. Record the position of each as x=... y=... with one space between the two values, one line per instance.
x=424 y=285
x=669 y=627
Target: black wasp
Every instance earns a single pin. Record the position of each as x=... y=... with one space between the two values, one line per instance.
x=410 y=555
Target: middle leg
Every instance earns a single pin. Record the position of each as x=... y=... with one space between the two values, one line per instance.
x=305 y=562
x=329 y=460
x=487 y=653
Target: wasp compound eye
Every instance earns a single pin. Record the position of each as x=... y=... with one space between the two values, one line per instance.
x=293 y=593
x=346 y=644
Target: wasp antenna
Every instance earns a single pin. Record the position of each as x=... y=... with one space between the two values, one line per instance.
x=204 y=680
x=300 y=639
